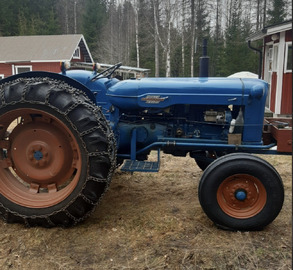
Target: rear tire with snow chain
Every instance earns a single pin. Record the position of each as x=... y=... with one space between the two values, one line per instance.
x=57 y=153
x=241 y=192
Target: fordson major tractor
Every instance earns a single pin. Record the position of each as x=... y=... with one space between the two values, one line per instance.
x=63 y=135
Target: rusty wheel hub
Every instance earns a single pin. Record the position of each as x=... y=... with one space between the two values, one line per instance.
x=42 y=164
x=41 y=153
x=241 y=196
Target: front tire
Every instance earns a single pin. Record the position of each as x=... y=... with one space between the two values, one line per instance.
x=241 y=192
x=57 y=153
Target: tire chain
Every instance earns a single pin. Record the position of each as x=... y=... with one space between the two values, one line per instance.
x=111 y=153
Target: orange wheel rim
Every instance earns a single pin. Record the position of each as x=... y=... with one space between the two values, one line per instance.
x=241 y=196
x=41 y=160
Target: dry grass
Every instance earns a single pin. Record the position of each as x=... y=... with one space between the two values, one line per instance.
x=153 y=221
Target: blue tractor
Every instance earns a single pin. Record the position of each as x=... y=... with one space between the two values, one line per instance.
x=63 y=136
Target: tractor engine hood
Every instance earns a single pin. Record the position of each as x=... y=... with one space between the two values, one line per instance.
x=164 y=92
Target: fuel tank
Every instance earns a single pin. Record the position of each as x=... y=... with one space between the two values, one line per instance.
x=164 y=92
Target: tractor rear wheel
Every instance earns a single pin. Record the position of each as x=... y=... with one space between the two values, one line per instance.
x=57 y=153
x=241 y=192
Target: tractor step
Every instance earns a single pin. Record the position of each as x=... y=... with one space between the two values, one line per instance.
x=140 y=166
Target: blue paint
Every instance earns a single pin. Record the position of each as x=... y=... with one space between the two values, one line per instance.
x=240 y=195
x=177 y=115
x=172 y=114
x=38 y=155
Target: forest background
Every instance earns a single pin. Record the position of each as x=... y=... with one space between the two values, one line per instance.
x=163 y=35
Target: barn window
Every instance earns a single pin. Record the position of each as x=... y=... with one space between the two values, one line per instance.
x=288 y=57
x=270 y=59
x=275 y=57
x=21 y=69
x=76 y=54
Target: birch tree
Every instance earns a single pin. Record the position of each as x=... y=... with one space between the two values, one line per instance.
x=216 y=45
x=168 y=41
x=156 y=37
x=192 y=23
x=183 y=37
x=258 y=14
x=136 y=34
x=70 y=15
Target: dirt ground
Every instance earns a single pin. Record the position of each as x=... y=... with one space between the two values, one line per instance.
x=153 y=221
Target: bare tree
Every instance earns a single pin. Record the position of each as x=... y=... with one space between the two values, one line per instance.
x=192 y=22
x=183 y=38
x=258 y=14
x=168 y=41
x=75 y=16
x=69 y=13
x=136 y=34
x=156 y=37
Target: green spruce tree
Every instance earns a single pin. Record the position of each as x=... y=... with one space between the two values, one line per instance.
x=94 y=18
x=277 y=13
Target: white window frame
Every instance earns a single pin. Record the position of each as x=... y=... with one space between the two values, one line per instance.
x=270 y=59
x=17 y=67
x=275 y=57
x=1 y=76
x=286 y=58
x=76 y=54
x=268 y=69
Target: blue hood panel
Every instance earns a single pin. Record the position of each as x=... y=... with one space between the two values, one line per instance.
x=164 y=92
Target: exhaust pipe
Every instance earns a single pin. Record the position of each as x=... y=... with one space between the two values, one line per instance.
x=204 y=60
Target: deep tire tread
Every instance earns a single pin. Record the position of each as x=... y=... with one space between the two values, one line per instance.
x=84 y=117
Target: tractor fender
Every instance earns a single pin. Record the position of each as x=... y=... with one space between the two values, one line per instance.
x=56 y=76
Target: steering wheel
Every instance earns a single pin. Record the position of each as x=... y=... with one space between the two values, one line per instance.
x=107 y=73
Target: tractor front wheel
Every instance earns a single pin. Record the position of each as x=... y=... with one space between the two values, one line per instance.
x=241 y=192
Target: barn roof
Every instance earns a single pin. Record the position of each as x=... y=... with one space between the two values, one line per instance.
x=271 y=29
x=50 y=48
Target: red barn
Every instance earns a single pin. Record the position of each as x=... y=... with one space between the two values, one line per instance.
x=277 y=65
x=40 y=53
